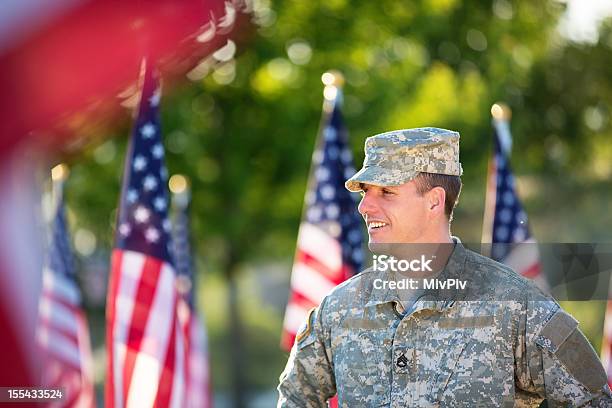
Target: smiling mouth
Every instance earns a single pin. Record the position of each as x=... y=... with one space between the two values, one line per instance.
x=376 y=225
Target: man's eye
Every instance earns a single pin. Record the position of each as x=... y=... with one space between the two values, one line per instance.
x=387 y=192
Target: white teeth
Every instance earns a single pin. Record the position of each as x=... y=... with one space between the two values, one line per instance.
x=377 y=224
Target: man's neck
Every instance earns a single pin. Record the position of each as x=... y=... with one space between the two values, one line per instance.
x=439 y=235
x=436 y=248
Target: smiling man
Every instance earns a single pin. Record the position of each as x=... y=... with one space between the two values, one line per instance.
x=497 y=341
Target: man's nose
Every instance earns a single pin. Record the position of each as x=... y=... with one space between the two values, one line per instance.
x=366 y=204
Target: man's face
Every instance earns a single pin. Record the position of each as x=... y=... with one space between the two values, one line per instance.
x=395 y=214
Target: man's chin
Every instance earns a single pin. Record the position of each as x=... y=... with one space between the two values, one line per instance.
x=378 y=247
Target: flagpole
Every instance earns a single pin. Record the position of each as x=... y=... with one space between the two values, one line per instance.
x=59 y=174
x=332 y=95
x=198 y=392
x=81 y=391
x=500 y=113
x=181 y=194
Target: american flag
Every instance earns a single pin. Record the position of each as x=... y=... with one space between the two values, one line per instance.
x=330 y=238
x=63 y=333
x=145 y=345
x=198 y=390
x=506 y=225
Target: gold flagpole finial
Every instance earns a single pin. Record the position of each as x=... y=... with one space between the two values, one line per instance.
x=333 y=78
x=178 y=184
x=60 y=172
x=333 y=81
x=501 y=111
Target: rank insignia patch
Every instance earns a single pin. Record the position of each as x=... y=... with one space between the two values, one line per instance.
x=306 y=327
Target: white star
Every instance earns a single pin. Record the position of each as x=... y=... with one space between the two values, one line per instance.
x=140 y=163
x=349 y=172
x=167 y=225
x=154 y=99
x=152 y=234
x=332 y=210
x=141 y=214
x=159 y=203
x=125 y=229
x=327 y=192
x=149 y=183
x=346 y=156
x=158 y=151
x=358 y=256
x=508 y=198
x=147 y=130
x=354 y=236
x=329 y=133
x=505 y=215
x=502 y=233
x=322 y=174
x=132 y=196
x=314 y=214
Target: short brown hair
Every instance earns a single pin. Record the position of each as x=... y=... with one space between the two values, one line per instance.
x=450 y=184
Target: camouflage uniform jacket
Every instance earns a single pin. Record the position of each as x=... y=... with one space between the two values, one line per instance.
x=448 y=350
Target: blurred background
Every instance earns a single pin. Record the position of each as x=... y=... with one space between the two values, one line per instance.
x=242 y=126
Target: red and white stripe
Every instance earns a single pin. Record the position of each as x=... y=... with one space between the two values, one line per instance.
x=64 y=339
x=317 y=269
x=198 y=392
x=524 y=258
x=146 y=361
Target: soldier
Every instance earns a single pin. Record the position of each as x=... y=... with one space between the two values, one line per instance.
x=500 y=342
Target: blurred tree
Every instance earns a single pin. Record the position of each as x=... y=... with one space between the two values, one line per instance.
x=245 y=133
x=567 y=106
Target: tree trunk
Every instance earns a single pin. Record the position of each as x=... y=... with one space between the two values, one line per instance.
x=238 y=360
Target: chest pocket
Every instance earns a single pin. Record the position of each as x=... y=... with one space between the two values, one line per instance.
x=477 y=364
x=362 y=378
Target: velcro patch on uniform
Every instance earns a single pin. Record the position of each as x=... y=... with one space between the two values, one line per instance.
x=581 y=361
x=360 y=323
x=306 y=327
x=556 y=331
x=466 y=322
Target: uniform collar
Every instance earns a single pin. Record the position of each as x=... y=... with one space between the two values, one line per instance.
x=434 y=299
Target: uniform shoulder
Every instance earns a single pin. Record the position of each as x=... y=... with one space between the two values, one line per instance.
x=354 y=283
x=491 y=276
x=353 y=292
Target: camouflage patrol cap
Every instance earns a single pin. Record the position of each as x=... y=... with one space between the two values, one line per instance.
x=396 y=157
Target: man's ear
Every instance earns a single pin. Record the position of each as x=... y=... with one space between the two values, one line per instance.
x=435 y=199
